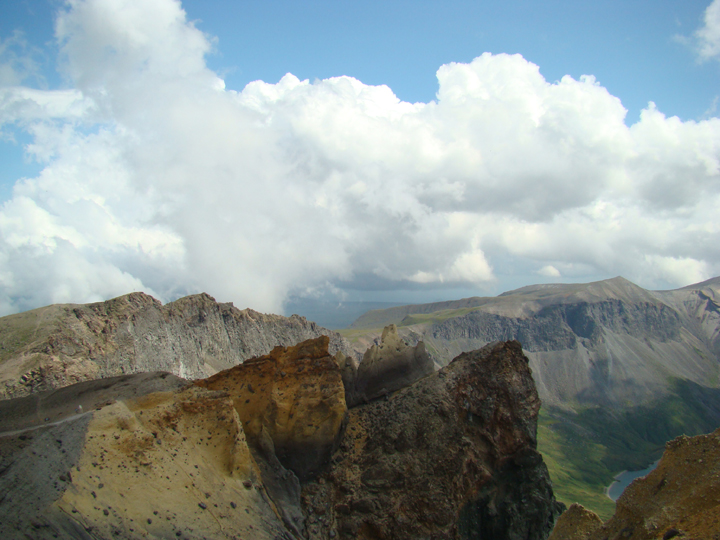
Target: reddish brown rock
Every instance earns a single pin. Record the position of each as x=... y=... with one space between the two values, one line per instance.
x=680 y=498
x=451 y=456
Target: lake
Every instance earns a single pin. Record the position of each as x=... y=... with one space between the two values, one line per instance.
x=624 y=479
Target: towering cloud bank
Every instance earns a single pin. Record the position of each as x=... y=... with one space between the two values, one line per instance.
x=158 y=178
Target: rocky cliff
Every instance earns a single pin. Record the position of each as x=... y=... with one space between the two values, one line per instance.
x=150 y=456
x=292 y=400
x=451 y=456
x=680 y=498
x=192 y=337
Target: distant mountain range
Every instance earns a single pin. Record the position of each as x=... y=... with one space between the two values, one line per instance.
x=608 y=342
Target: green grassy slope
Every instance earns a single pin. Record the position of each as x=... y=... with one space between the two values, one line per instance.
x=584 y=451
x=575 y=465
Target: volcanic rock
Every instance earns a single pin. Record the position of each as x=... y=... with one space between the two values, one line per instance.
x=385 y=368
x=244 y=454
x=681 y=493
x=137 y=466
x=451 y=456
x=679 y=498
x=294 y=396
x=193 y=337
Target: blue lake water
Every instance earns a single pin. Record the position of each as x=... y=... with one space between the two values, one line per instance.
x=624 y=479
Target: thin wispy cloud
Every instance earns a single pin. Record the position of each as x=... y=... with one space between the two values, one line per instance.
x=158 y=178
x=708 y=36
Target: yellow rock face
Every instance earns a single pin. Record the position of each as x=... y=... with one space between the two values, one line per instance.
x=169 y=465
x=294 y=394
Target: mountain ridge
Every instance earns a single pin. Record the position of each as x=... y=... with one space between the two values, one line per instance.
x=192 y=337
x=617 y=287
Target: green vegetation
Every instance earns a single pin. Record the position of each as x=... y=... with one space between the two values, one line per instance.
x=575 y=465
x=353 y=335
x=436 y=316
x=585 y=450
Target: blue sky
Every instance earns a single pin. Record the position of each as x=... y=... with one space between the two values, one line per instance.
x=630 y=47
x=136 y=156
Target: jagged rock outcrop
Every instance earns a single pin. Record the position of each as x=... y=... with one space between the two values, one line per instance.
x=294 y=397
x=451 y=456
x=153 y=456
x=680 y=498
x=386 y=367
x=192 y=337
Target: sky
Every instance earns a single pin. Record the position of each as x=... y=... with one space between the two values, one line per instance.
x=275 y=152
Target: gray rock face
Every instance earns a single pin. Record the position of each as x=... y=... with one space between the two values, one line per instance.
x=192 y=338
x=385 y=368
x=559 y=327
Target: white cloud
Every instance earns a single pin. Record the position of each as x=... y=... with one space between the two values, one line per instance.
x=708 y=36
x=24 y=105
x=18 y=61
x=549 y=271
x=678 y=269
x=158 y=178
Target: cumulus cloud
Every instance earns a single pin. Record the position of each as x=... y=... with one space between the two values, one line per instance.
x=158 y=178
x=708 y=36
